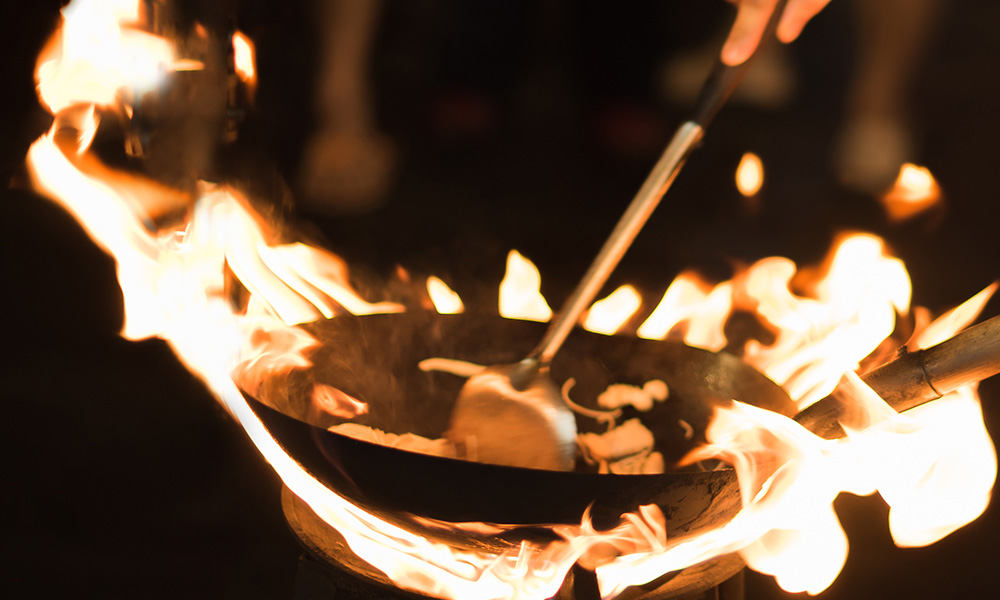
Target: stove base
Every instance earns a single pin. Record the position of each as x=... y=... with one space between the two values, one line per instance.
x=330 y=570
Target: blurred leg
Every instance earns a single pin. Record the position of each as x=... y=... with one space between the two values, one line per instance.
x=876 y=138
x=348 y=163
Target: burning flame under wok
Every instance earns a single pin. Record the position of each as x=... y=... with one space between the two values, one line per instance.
x=935 y=465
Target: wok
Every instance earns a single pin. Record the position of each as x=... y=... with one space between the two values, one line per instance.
x=375 y=359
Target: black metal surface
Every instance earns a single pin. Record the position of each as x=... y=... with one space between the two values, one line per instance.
x=329 y=569
x=317 y=580
x=375 y=358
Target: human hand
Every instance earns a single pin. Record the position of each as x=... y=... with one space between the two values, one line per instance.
x=752 y=17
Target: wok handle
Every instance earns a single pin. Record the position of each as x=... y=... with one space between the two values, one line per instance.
x=918 y=377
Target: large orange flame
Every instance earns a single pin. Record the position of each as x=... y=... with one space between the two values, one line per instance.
x=935 y=466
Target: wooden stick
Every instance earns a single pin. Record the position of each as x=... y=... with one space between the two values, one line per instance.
x=918 y=377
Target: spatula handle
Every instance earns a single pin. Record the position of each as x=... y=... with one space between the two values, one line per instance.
x=724 y=79
x=717 y=89
x=618 y=242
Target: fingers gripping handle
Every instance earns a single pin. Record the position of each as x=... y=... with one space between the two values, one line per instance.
x=724 y=79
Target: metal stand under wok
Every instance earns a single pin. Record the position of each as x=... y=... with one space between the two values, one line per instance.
x=328 y=569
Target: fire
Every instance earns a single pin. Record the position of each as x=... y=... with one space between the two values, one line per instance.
x=446 y=301
x=851 y=308
x=934 y=465
x=954 y=320
x=750 y=174
x=914 y=191
x=520 y=296
x=692 y=302
x=227 y=294
x=101 y=51
x=609 y=314
x=243 y=58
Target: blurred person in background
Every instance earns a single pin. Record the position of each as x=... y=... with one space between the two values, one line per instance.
x=348 y=162
x=876 y=134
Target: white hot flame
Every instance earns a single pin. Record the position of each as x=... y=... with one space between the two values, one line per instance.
x=915 y=191
x=244 y=57
x=750 y=174
x=520 y=295
x=445 y=300
x=691 y=302
x=609 y=314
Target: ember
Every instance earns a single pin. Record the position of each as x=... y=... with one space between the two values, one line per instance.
x=241 y=306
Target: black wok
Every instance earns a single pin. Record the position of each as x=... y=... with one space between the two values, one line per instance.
x=374 y=358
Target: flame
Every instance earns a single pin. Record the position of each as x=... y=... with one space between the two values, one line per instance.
x=691 y=301
x=914 y=191
x=851 y=308
x=99 y=53
x=954 y=320
x=786 y=528
x=112 y=224
x=609 y=314
x=750 y=174
x=244 y=57
x=446 y=301
x=935 y=466
x=520 y=295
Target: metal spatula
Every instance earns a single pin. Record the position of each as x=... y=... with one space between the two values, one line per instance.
x=513 y=414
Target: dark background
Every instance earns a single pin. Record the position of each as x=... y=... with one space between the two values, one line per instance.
x=125 y=479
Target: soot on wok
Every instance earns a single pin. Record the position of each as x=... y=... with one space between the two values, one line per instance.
x=375 y=359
